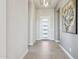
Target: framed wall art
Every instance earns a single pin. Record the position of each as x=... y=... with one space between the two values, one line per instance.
x=69 y=17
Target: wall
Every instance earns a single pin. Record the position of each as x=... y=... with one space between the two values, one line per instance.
x=29 y=12
x=17 y=28
x=3 y=29
x=56 y=26
x=68 y=41
x=45 y=12
x=32 y=23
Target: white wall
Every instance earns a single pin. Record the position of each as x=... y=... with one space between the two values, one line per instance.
x=17 y=28
x=68 y=41
x=45 y=12
x=3 y=29
x=55 y=26
x=32 y=23
x=29 y=12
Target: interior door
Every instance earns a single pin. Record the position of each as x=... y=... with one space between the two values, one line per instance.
x=45 y=27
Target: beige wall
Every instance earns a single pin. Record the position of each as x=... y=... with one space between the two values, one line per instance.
x=32 y=23
x=3 y=29
x=17 y=28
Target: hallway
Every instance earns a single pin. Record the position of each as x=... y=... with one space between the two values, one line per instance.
x=38 y=29
x=45 y=49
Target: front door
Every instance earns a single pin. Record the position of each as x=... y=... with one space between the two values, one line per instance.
x=45 y=28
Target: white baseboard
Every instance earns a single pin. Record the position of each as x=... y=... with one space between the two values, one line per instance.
x=37 y=39
x=31 y=44
x=24 y=54
x=66 y=52
x=57 y=41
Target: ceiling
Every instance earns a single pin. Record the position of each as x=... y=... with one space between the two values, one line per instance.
x=51 y=3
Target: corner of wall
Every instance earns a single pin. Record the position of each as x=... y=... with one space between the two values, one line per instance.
x=24 y=54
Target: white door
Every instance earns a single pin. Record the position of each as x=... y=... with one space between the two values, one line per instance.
x=45 y=27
